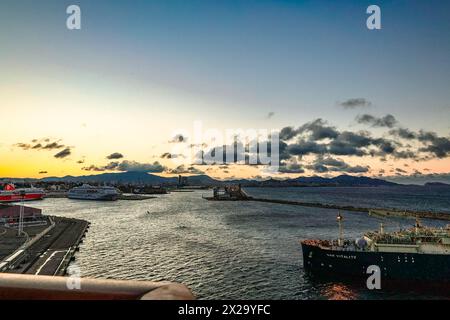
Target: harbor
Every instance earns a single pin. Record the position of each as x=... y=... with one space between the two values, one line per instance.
x=179 y=236
x=241 y=151
x=211 y=246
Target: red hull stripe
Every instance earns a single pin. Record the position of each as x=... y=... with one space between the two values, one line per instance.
x=17 y=197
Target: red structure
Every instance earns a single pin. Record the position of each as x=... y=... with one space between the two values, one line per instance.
x=9 y=193
x=13 y=212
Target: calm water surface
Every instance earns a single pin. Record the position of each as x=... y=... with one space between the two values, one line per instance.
x=231 y=250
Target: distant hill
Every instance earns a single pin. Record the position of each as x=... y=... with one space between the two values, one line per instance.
x=205 y=180
x=361 y=181
x=202 y=179
x=121 y=177
x=436 y=184
x=342 y=180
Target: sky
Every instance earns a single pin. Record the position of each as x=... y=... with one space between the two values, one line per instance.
x=112 y=96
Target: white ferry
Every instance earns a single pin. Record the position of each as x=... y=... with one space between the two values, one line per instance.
x=88 y=192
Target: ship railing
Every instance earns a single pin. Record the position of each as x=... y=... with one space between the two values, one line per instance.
x=31 y=287
x=431 y=239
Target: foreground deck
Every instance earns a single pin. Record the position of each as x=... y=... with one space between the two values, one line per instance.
x=29 y=287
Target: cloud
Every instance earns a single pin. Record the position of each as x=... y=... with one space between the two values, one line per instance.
x=400 y=170
x=290 y=167
x=168 y=155
x=327 y=143
x=238 y=153
x=63 y=154
x=40 y=144
x=128 y=166
x=52 y=146
x=403 y=133
x=43 y=172
x=387 y=121
x=406 y=154
x=355 y=103
x=114 y=165
x=319 y=138
x=319 y=130
x=355 y=169
x=142 y=167
x=93 y=168
x=432 y=143
x=303 y=148
x=317 y=168
x=439 y=146
x=179 y=138
x=287 y=133
x=349 y=143
x=182 y=169
x=24 y=146
x=115 y=155
x=327 y=164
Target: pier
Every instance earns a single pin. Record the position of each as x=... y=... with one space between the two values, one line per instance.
x=44 y=250
x=229 y=193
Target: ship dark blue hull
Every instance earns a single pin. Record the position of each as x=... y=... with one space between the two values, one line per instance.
x=337 y=264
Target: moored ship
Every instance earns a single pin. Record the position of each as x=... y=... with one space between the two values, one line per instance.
x=9 y=193
x=416 y=254
x=88 y=192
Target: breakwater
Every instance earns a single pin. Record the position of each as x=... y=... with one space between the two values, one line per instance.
x=241 y=195
x=385 y=212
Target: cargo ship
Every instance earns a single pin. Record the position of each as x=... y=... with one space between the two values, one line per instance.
x=418 y=254
x=88 y=192
x=9 y=193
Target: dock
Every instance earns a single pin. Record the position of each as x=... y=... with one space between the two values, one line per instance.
x=47 y=250
x=228 y=193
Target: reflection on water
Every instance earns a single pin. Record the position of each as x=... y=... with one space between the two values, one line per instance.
x=339 y=291
x=230 y=250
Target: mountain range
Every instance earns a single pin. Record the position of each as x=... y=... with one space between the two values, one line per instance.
x=205 y=180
